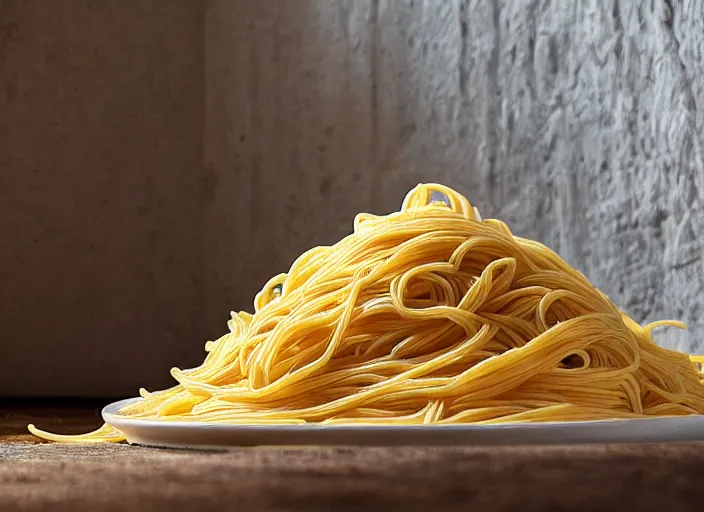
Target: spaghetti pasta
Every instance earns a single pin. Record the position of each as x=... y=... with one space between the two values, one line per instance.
x=427 y=315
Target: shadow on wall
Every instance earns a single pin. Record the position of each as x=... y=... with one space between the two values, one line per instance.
x=310 y=120
x=100 y=152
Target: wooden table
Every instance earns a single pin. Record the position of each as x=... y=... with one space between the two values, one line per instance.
x=38 y=476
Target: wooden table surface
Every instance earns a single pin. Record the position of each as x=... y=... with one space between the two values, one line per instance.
x=37 y=476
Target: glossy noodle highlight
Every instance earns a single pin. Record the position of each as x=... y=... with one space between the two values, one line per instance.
x=427 y=315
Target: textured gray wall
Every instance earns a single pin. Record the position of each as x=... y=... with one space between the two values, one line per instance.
x=575 y=122
x=579 y=123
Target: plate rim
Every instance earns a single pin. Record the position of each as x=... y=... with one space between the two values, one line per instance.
x=110 y=412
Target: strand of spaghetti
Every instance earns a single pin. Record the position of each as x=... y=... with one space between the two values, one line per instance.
x=429 y=315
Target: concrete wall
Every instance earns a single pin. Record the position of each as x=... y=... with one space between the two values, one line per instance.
x=101 y=122
x=578 y=124
x=575 y=122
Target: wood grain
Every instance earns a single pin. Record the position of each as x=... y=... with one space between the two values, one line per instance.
x=107 y=477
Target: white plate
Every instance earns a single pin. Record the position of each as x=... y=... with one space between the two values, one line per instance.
x=207 y=435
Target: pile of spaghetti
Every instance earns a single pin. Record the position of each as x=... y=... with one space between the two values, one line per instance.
x=427 y=315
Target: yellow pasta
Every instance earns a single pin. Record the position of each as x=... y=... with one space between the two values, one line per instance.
x=429 y=315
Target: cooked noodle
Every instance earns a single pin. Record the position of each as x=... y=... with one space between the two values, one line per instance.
x=427 y=315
